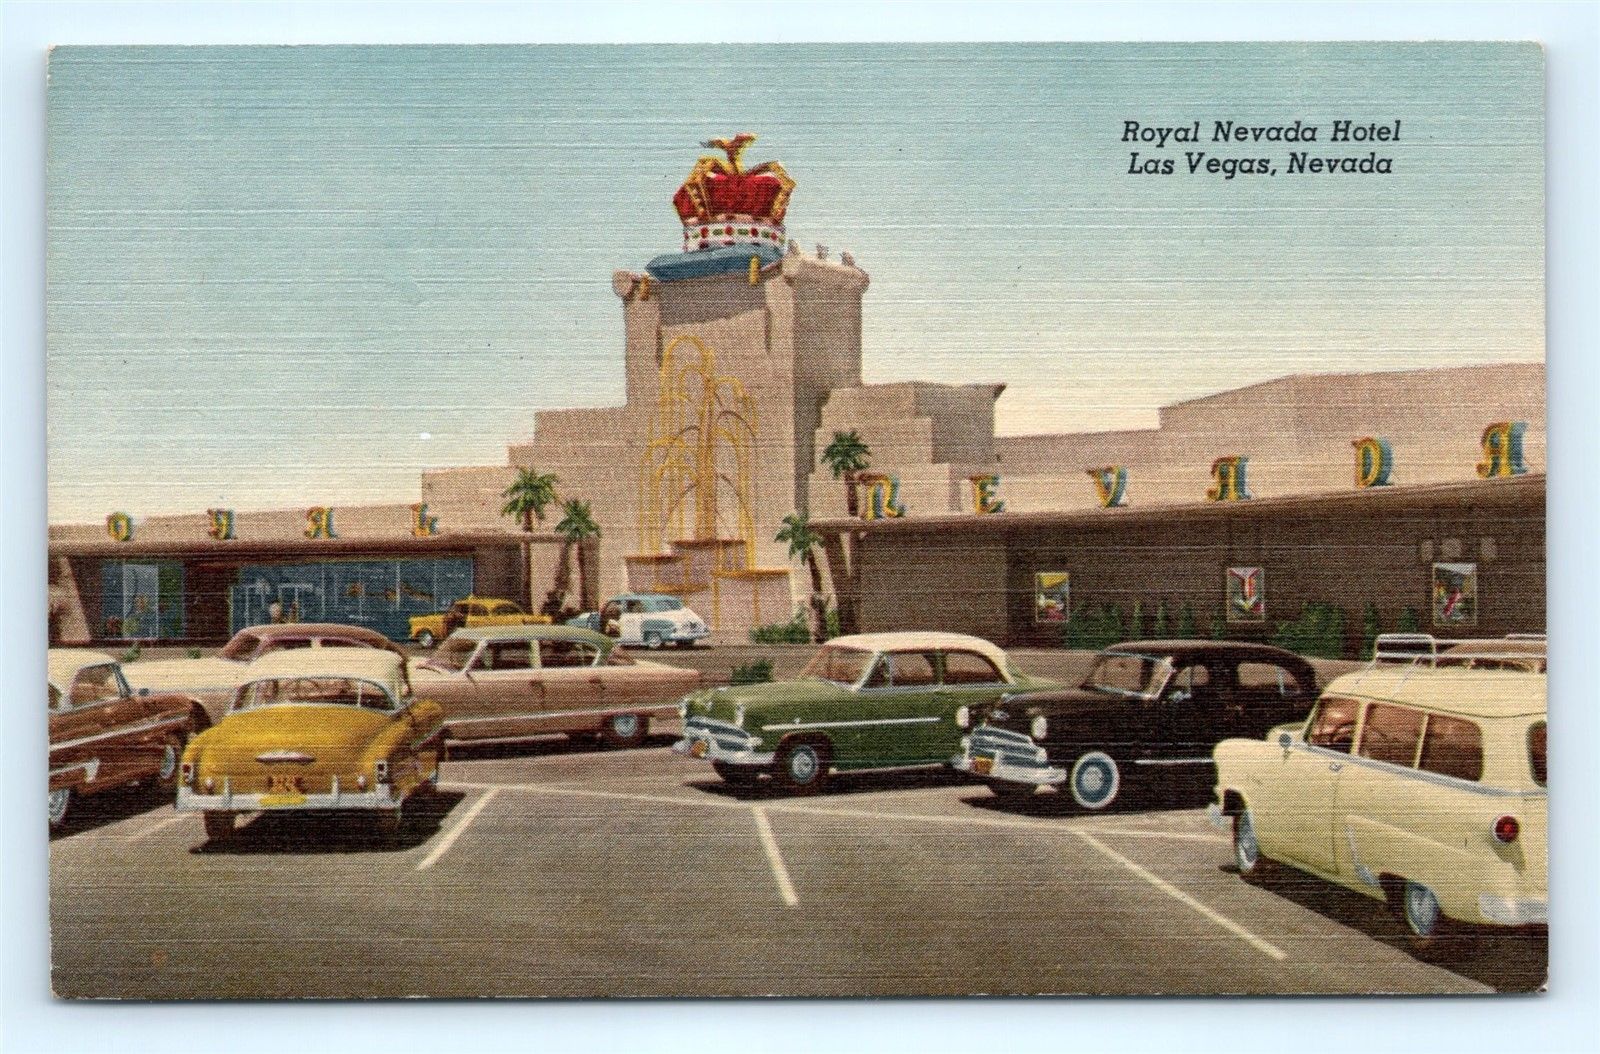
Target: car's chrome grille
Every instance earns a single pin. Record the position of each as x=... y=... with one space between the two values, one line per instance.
x=728 y=736
x=1010 y=748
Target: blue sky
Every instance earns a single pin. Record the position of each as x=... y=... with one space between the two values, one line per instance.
x=273 y=271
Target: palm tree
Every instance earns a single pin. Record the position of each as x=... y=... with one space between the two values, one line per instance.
x=528 y=495
x=803 y=542
x=577 y=526
x=846 y=456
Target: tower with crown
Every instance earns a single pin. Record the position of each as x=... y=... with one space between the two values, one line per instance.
x=732 y=345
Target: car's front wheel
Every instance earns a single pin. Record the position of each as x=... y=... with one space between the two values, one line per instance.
x=625 y=730
x=1424 y=920
x=654 y=640
x=167 y=768
x=60 y=805
x=425 y=639
x=1253 y=867
x=1095 y=780
x=802 y=766
x=219 y=826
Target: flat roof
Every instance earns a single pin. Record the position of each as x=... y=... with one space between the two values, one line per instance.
x=288 y=548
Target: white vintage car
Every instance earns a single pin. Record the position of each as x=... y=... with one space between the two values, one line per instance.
x=1420 y=783
x=646 y=620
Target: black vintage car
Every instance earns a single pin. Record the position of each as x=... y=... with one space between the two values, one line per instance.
x=1147 y=709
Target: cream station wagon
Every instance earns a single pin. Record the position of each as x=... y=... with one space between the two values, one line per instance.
x=1422 y=785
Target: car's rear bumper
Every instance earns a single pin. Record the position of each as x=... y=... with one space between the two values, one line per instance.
x=1513 y=911
x=381 y=797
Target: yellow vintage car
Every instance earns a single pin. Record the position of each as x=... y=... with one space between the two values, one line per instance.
x=428 y=630
x=1420 y=784
x=320 y=729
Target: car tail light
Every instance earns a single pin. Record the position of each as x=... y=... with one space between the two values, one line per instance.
x=1506 y=830
x=380 y=769
x=186 y=773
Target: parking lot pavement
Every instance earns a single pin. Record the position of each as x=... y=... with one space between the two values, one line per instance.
x=548 y=869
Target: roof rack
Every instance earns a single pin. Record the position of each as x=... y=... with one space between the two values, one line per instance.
x=1517 y=651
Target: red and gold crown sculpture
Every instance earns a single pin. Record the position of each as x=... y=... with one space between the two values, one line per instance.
x=723 y=204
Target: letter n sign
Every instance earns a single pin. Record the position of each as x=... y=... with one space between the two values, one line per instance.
x=1374 y=461
x=883 y=497
x=1502 y=450
x=1228 y=482
x=319 y=522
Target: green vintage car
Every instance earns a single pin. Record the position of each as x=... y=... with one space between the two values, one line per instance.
x=871 y=701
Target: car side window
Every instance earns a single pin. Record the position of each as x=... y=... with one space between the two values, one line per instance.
x=1536 y=738
x=558 y=654
x=506 y=655
x=95 y=684
x=1391 y=733
x=1188 y=681
x=1334 y=725
x=910 y=669
x=1269 y=677
x=1452 y=747
x=967 y=667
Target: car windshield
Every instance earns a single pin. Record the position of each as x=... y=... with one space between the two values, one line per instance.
x=839 y=665
x=451 y=655
x=328 y=691
x=242 y=648
x=1134 y=676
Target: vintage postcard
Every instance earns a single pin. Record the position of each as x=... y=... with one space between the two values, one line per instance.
x=829 y=520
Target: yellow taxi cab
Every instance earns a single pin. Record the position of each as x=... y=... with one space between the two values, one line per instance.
x=428 y=630
x=311 y=730
x=1421 y=784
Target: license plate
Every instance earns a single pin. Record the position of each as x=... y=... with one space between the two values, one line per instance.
x=983 y=766
x=285 y=785
x=698 y=748
x=279 y=801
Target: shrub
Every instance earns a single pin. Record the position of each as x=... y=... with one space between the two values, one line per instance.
x=1318 y=632
x=1091 y=629
x=758 y=672
x=1370 y=628
x=193 y=653
x=795 y=631
x=1186 y=628
x=1219 y=627
x=1408 y=622
x=1136 y=621
x=132 y=654
x=1160 y=627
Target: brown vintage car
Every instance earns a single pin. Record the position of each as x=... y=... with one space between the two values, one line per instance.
x=213 y=679
x=508 y=682
x=103 y=735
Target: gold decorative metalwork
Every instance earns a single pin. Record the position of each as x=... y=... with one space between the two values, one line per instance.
x=700 y=456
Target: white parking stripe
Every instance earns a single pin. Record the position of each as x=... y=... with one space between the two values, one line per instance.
x=547 y=788
x=1270 y=950
x=774 y=857
x=158 y=826
x=451 y=835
